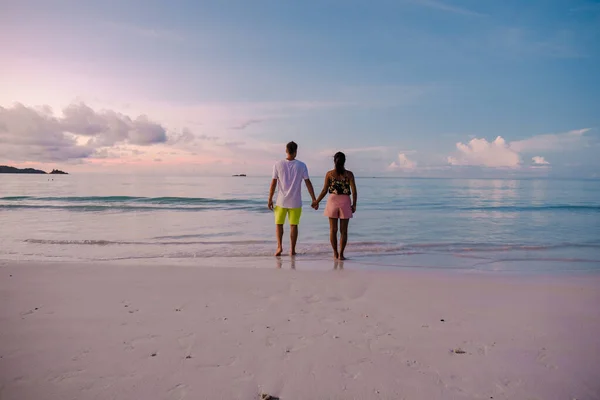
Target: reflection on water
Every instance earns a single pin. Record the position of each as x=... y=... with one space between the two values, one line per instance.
x=338 y=264
x=279 y=262
x=492 y=193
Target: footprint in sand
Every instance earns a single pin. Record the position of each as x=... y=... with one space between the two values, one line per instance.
x=29 y=312
x=130 y=345
x=187 y=342
x=177 y=392
x=354 y=370
x=66 y=376
x=542 y=358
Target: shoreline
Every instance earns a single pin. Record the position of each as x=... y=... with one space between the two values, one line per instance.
x=79 y=330
x=402 y=263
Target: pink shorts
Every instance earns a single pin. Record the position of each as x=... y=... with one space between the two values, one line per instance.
x=338 y=206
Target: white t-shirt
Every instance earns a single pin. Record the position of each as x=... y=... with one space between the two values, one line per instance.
x=289 y=175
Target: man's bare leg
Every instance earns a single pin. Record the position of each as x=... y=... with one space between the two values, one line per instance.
x=279 y=233
x=333 y=230
x=293 y=238
x=343 y=236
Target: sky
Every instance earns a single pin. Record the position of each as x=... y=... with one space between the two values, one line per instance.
x=452 y=88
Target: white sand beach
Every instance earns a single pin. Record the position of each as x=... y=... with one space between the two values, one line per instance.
x=157 y=332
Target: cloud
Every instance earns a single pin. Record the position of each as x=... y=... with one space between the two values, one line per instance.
x=233 y=144
x=246 y=124
x=523 y=42
x=480 y=152
x=402 y=163
x=356 y=150
x=108 y=127
x=550 y=142
x=206 y=137
x=538 y=160
x=106 y=154
x=145 y=32
x=438 y=5
x=28 y=134
x=187 y=138
x=36 y=134
x=145 y=132
x=500 y=154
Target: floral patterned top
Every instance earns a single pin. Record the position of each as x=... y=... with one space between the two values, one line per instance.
x=339 y=186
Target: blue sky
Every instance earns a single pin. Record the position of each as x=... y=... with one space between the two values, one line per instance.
x=405 y=87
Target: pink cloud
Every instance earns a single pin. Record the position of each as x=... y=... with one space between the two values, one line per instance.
x=480 y=152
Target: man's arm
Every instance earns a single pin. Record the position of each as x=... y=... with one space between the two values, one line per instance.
x=271 y=193
x=311 y=190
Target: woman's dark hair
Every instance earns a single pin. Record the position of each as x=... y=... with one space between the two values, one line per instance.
x=339 y=159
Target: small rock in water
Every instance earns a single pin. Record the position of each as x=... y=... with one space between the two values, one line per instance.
x=153 y=354
x=178 y=309
x=188 y=357
x=458 y=351
x=442 y=320
x=37 y=308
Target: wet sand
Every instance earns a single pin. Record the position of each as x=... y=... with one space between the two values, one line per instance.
x=156 y=332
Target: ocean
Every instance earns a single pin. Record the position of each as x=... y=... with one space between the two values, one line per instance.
x=509 y=225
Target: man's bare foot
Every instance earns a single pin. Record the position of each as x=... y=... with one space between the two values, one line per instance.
x=335 y=255
x=341 y=257
x=293 y=253
x=278 y=252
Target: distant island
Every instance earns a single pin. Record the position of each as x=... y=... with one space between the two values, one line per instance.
x=4 y=169
x=239 y=175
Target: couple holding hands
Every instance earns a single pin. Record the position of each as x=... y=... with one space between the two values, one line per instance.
x=288 y=175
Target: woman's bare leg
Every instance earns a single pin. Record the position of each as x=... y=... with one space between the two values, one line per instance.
x=333 y=230
x=343 y=237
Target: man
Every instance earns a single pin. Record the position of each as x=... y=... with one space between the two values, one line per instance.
x=287 y=177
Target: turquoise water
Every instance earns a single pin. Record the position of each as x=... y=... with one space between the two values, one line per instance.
x=467 y=224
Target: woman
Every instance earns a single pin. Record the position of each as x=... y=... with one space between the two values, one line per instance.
x=339 y=183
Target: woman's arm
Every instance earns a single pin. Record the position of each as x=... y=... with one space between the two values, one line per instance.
x=354 y=192
x=324 y=191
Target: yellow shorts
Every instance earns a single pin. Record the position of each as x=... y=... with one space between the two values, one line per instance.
x=292 y=213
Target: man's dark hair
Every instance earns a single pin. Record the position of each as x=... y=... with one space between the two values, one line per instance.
x=291 y=147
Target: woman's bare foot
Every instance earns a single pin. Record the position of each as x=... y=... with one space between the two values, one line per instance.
x=278 y=252
x=341 y=257
x=292 y=253
x=335 y=255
